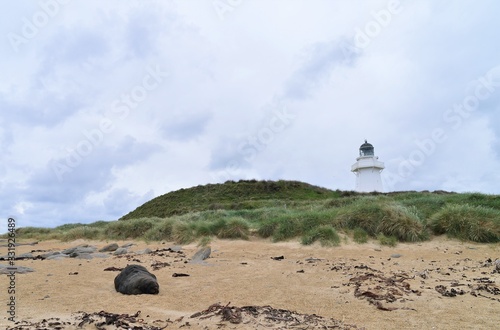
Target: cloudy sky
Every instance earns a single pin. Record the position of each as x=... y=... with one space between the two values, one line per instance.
x=107 y=104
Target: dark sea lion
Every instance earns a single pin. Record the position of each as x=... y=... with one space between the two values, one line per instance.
x=136 y=279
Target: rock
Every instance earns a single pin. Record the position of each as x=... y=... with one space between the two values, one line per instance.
x=497 y=265
x=25 y=256
x=120 y=251
x=109 y=248
x=100 y=255
x=145 y=251
x=49 y=254
x=127 y=245
x=136 y=279
x=396 y=255
x=84 y=256
x=86 y=249
x=19 y=256
x=57 y=256
x=80 y=249
x=68 y=251
x=6 y=269
x=176 y=248
x=201 y=255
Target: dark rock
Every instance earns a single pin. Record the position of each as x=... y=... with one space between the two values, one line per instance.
x=120 y=251
x=79 y=249
x=109 y=248
x=19 y=256
x=6 y=269
x=127 y=245
x=25 y=256
x=49 y=254
x=100 y=255
x=145 y=251
x=175 y=248
x=68 y=251
x=201 y=255
x=58 y=256
x=84 y=256
x=136 y=279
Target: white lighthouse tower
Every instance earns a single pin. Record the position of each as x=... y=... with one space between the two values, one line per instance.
x=367 y=170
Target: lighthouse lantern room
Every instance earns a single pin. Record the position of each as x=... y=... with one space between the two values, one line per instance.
x=367 y=169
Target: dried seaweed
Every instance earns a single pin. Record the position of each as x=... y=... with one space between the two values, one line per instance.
x=380 y=288
x=267 y=316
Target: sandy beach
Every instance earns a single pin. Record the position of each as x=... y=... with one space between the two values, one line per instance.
x=440 y=284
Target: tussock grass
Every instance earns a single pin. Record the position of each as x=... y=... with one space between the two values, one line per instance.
x=82 y=232
x=360 y=236
x=326 y=235
x=236 y=228
x=468 y=222
x=377 y=215
x=135 y=228
x=387 y=240
x=184 y=233
x=162 y=230
x=284 y=210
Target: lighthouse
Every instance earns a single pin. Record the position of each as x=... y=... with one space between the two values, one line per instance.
x=367 y=169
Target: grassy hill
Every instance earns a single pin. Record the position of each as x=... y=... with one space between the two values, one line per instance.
x=244 y=194
x=284 y=210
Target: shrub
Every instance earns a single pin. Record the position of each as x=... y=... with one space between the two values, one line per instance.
x=466 y=222
x=84 y=232
x=286 y=228
x=402 y=223
x=161 y=230
x=387 y=240
x=326 y=235
x=30 y=232
x=124 y=229
x=235 y=228
x=379 y=216
x=360 y=235
x=267 y=228
x=184 y=233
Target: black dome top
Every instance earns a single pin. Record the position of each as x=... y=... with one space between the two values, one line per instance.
x=366 y=149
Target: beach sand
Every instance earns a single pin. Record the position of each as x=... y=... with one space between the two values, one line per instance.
x=345 y=283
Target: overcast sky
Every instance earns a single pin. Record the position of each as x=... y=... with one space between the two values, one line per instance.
x=107 y=104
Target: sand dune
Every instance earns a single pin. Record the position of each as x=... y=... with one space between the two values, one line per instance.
x=440 y=284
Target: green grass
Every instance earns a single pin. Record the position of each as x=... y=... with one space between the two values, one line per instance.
x=380 y=215
x=83 y=232
x=468 y=223
x=290 y=210
x=326 y=235
x=391 y=241
x=245 y=194
x=360 y=236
